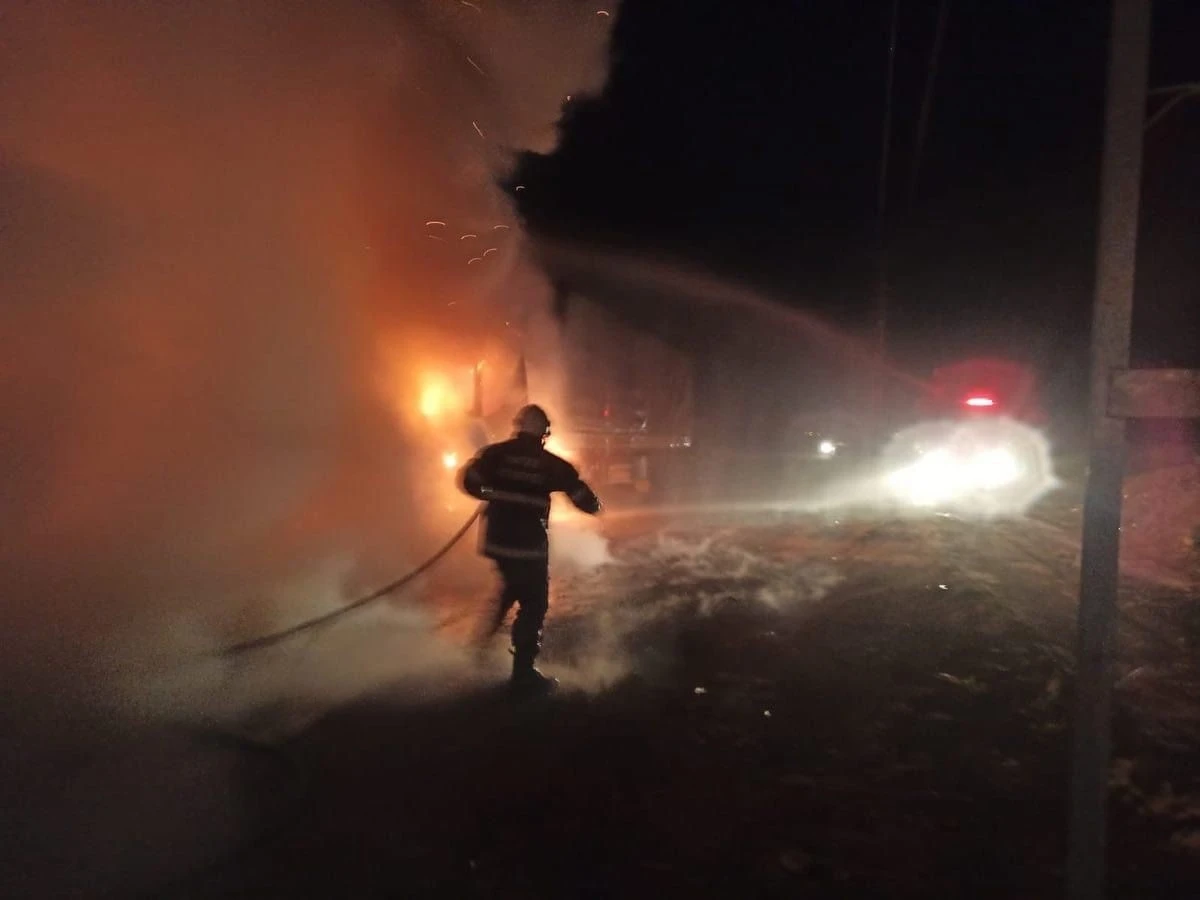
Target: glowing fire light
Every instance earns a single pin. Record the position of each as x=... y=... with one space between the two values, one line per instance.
x=450 y=460
x=437 y=397
x=555 y=445
x=980 y=401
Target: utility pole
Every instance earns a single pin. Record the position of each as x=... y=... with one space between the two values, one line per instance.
x=935 y=53
x=1120 y=191
x=881 y=244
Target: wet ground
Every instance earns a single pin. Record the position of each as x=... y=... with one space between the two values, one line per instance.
x=754 y=704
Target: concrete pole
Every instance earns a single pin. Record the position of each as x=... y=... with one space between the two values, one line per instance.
x=1116 y=257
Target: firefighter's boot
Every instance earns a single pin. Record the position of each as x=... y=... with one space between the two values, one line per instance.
x=526 y=678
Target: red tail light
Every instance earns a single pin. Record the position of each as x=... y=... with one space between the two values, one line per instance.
x=979 y=401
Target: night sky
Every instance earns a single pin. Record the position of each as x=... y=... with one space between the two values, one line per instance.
x=744 y=139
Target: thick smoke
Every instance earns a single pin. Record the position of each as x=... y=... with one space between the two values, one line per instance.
x=670 y=577
x=232 y=236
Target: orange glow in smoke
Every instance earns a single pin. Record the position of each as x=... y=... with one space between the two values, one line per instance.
x=556 y=446
x=438 y=396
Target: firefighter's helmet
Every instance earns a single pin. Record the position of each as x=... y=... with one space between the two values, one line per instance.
x=532 y=419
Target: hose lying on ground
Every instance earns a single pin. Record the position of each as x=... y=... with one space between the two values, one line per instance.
x=326 y=618
x=190 y=880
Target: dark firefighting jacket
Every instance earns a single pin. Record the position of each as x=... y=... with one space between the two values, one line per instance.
x=516 y=478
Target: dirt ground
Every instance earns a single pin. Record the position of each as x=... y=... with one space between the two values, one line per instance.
x=754 y=704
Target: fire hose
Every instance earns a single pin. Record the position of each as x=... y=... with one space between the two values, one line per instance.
x=278 y=637
x=192 y=878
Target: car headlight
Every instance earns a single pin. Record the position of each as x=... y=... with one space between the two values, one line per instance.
x=990 y=467
x=994 y=469
x=941 y=475
x=827 y=448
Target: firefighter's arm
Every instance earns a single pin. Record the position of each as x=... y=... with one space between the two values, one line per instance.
x=474 y=479
x=584 y=498
x=578 y=491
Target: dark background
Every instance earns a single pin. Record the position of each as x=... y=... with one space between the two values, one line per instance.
x=744 y=139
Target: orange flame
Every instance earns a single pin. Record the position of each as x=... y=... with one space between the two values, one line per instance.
x=440 y=396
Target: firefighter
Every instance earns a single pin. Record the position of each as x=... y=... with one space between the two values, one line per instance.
x=516 y=478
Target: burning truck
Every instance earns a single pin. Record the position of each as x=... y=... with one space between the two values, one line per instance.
x=626 y=405
x=620 y=400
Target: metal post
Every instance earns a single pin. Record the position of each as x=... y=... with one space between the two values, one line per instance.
x=1116 y=255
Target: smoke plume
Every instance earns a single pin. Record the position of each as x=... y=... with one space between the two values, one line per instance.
x=232 y=237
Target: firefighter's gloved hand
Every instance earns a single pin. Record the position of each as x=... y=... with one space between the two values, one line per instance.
x=584 y=499
x=471 y=480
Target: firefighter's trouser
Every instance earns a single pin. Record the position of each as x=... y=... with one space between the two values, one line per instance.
x=525 y=583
